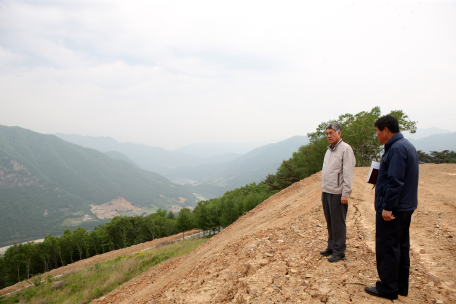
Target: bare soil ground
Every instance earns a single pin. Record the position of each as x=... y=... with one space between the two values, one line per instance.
x=271 y=254
x=111 y=208
x=181 y=200
x=102 y=258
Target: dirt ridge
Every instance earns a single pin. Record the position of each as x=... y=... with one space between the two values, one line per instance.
x=271 y=254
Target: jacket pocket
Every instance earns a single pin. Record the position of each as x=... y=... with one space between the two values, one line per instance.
x=340 y=179
x=380 y=197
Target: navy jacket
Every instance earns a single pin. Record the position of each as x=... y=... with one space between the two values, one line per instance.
x=397 y=180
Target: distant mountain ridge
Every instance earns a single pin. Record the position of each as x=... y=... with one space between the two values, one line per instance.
x=153 y=159
x=216 y=179
x=47 y=184
x=436 y=142
x=218 y=173
x=426 y=132
x=212 y=149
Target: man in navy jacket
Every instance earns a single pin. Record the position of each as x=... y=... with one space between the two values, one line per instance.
x=396 y=197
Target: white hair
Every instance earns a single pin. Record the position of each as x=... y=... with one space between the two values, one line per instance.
x=335 y=126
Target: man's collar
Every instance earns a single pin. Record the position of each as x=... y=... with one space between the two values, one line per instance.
x=392 y=140
x=334 y=148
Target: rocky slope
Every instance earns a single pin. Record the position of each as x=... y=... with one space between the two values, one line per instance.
x=271 y=254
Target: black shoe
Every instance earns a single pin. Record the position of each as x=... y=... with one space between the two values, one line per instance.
x=373 y=292
x=404 y=294
x=327 y=252
x=336 y=258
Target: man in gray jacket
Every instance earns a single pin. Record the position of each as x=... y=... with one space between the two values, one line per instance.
x=336 y=184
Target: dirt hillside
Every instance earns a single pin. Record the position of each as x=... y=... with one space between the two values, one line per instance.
x=271 y=254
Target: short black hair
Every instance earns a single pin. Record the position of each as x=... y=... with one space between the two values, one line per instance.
x=389 y=122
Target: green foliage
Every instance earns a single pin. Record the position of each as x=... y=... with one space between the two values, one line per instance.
x=37 y=280
x=184 y=220
x=21 y=261
x=95 y=281
x=443 y=157
x=225 y=210
x=2 y=272
x=357 y=130
x=49 y=279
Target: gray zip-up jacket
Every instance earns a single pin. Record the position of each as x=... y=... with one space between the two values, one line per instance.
x=338 y=169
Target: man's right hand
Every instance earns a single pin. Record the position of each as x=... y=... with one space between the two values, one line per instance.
x=388 y=215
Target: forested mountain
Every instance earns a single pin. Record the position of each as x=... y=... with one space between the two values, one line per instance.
x=48 y=184
x=117 y=155
x=436 y=142
x=154 y=159
x=216 y=179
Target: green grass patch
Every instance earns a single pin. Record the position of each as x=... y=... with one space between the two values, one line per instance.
x=207 y=236
x=92 y=282
x=69 y=221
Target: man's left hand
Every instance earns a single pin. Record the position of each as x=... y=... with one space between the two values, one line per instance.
x=344 y=200
x=388 y=215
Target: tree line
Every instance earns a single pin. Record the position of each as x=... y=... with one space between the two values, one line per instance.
x=21 y=261
x=443 y=157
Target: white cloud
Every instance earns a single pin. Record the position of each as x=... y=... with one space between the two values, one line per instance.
x=169 y=73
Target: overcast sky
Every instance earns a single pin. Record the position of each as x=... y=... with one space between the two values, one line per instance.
x=170 y=73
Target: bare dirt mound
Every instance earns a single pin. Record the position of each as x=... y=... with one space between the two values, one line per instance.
x=271 y=254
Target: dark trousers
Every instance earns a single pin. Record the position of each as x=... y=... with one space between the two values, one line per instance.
x=392 y=247
x=335 y=215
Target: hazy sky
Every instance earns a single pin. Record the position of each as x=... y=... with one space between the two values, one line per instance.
x=170 y=73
